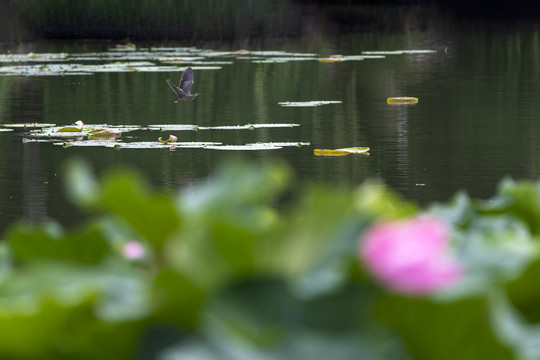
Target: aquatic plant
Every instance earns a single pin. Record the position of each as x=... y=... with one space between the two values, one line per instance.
x=223 y=273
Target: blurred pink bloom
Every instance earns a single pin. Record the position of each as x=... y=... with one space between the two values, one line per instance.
x=133 y=250
x=411 y=256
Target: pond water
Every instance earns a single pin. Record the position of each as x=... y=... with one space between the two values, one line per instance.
x=476 y=121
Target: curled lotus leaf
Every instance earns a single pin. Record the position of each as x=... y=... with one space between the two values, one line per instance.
x=171 y=138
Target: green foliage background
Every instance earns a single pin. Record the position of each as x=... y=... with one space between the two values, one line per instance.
x=227 y=274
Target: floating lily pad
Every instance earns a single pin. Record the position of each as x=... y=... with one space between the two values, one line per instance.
x=351 y=58
x=398 y=52
x=26 y=125
x=158 y=145
x=341 y=152
x=172 y=127
x=286 y=144
x=308 y=103
x=185 y=127
x=282 y=59
x=31 y=140
x=101 y=131
x=32 y=57
x=177 y=59
x=89 y=143
x=86 y=69
x=104 y=134
x=51 y=134
x=281 y=53
x=247 y=147
x=70 y=129
x=402 y=100
x=247 y=126
x=126 y=47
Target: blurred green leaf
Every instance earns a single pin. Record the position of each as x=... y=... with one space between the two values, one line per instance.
x=519 y=198
x=378 y=201
x=524 y=293
x=236 y=185
x=82 y=186
x=55 y=311
x=443 y=330
x=261 y=320
x=177 y=301
x=153 y=215
x=49 y=241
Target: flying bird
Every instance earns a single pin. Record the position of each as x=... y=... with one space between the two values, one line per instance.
x=183 y=91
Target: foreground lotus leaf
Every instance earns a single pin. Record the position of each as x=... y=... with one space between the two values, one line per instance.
x=341 y=152
x=402 y=100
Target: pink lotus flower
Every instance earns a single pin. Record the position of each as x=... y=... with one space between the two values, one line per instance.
x=133 y=250
x=410 y=256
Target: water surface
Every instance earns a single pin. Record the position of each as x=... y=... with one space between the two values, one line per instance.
x=476 y=120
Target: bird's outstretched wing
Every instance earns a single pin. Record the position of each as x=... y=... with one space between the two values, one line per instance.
x=175 y=88
x=187 y=80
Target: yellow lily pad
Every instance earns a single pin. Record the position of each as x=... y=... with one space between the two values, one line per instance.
x=341 y=152
x=402 y=100
x=330 y=60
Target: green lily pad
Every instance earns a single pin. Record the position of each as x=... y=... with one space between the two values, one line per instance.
x=308 y=103
x=184 y=127
x=104 y=134
x=171 y=145
x=398 y=52
x=49 y=134
x=27 y=125
x=282 y=59
x=88 y=143
x=281 y=53
x=247 y=147
x=173 y=127
x=70 y=129
x=247 y=127
x=336 y=58
x=258 y=146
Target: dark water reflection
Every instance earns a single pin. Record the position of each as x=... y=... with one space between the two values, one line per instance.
x=477 y=119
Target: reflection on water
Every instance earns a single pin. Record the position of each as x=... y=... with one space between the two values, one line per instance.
x=476 y=120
